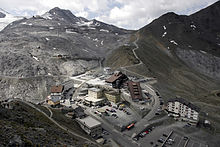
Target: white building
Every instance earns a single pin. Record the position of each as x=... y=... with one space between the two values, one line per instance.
x=93 y=101
x=95 y=93
x=95 y=97
x=179 y=107
x=107 y=70
x=90 y=125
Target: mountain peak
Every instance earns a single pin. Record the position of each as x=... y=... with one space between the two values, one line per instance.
x=64 y=15
x=2 y=13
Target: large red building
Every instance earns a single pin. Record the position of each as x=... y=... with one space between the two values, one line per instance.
x=135 y=91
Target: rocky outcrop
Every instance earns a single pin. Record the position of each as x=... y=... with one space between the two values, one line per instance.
x=2 y=15
x=201 y=62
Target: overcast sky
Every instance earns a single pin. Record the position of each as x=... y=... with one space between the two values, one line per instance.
x=130 y=14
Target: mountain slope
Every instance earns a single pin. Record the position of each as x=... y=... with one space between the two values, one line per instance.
x=56 y=44
x=38 y=41
x=6 y=18
x=184 y=56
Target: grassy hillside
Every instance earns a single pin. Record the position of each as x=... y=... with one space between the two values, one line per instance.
x=25 y=126
x=123 y=56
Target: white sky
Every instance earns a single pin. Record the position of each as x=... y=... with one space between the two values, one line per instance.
x=130 y=14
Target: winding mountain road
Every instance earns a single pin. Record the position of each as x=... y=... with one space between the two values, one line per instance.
x=56 y=123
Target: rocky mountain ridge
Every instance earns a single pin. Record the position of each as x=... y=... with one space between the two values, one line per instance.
x=194 y=39
x=55 y=44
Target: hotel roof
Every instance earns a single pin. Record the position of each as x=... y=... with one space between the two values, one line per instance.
x=135 y=90
x=89 y=122
x=57 y=89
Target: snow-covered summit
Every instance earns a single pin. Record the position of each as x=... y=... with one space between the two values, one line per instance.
x=6 y=19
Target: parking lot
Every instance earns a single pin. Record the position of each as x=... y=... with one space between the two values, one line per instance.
x=181 y=141
x=117 y=117
x=159 y=134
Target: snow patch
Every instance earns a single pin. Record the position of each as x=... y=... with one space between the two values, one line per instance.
x=49 y=74
x=54 y=48
x=71 y=31
x=83 y=23
x=58 y=24
x=51 y=28
x=164 y=34
x=189 y=46
x=7 y=19
x=91 y=28
x=47 y=39
x=193 y=27
x=203 y=52
x=96 y=40
x=47 y=15
x=103 y=30
x=24 y=23
x=36 y=58
x=218 y=44
x=116 y=33
x=164 y=27
x=85 y=50
x=172 y=41
x=102 y=42
x=30 y=24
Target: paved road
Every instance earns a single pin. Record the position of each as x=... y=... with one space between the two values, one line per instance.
x=140 y=125
x=56 y=123
x=51 y=113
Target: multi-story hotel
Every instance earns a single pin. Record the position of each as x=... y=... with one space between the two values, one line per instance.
x=179 y=107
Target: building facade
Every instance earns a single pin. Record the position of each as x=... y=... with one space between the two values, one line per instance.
x=54 y=101
x=90 y=125
x=179 y=107
x=112 y=96
x=93 y=101
x=117 y=79
x=57 y=91
x=95 y=93
x=95 y=97
x=135 y=91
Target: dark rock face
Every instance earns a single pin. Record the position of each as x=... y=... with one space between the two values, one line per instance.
x=60 y=14
x=195 y=33
x=2 y=15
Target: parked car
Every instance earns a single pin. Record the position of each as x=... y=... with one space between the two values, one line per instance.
x=142 y=134
x=112 y=110
x=113 y=114
x=115 y=107
x=165 y=135
x=185 y=138
x=128 y=113
x=159 y=140
x=157 y=113
x=136 y=138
